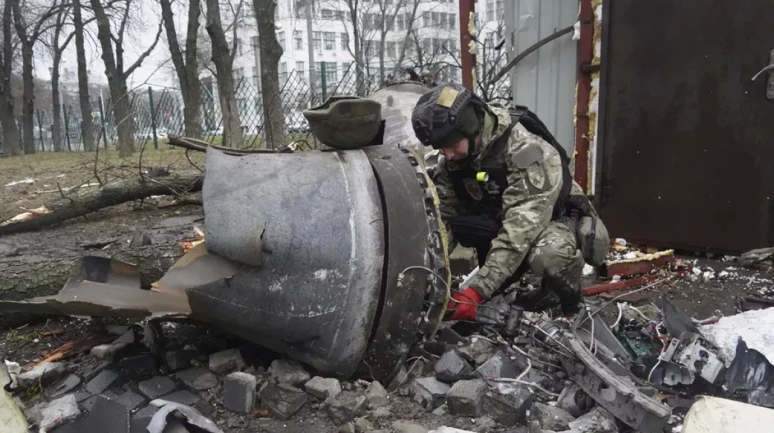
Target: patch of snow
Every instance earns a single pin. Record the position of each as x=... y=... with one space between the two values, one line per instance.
x=631 y=255
x=588 y=270
x=753 y=326
x=620 y=241
x=723 y=275
x=17 y=182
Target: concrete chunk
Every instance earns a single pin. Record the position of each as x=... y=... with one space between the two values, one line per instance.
x=58 y=412
x=282 y=400
x=377 y=396
x=177 y=359
x=478 y=350
x=198 y=378
x=452 y=367
x=183 y=397
x=407 y=427
x=508 y=409
x=429 y=392
x=498 y=366
x=239 y=392
x=131 y=400
x=226 y=361
x=108 y=352
x=345 y=407
x=45 y=374
x=550 y=417
x=288 y=372
x=466 y=397
x=598 y=420
x=102 y=381
x=156 y=387
x=323 y=387
x=65 y=385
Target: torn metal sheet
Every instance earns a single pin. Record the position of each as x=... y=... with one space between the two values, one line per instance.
x=105 y=287
x=617 y=394
x=188 y=414
x=700 y=359
x=196 y=268
x=751 y=372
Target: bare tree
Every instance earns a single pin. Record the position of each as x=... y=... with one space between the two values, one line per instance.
x=28 y=37
x=186 y=63
x=87 y=123
x=270 y=52
x=223 y=59
x=56 y=55
x=10 y=131
x=117 y=75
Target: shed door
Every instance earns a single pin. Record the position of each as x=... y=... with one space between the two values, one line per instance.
x=686 y=138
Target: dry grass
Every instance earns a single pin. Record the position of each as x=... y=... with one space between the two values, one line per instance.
x=47 y=172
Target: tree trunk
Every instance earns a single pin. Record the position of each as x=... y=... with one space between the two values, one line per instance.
x=270 y=53
x=87 y=124
x=109 y=195
x=186 y=67
x=232 y=127
x=28 y=107
x=116 y=83
x=10 y=131
x=56 y=109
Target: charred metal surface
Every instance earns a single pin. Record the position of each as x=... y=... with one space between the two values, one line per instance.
x=405 y=241
x=685 y=134
x=315 y=295
x=617 y=394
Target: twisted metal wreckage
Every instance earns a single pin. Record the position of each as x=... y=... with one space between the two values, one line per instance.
x=337 y=259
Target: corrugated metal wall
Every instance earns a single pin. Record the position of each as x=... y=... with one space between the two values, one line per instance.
x=545 y=80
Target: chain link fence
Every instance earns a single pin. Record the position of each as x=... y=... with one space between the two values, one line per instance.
x=156 y=113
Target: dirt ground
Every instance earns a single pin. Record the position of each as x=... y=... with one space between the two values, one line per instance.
x=698 y=295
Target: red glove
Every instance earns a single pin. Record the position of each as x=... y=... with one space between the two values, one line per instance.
x=464 y=304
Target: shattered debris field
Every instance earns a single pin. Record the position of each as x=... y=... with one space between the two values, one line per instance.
x=667 y=335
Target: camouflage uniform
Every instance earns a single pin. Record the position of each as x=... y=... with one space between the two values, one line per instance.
x=532 y=183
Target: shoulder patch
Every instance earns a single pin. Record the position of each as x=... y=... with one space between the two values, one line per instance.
x=527 y=155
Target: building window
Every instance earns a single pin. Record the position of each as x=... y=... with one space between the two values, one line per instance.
x=317 y=40
x=390 y=23
x=427 y=45
x=331 y=74
x=330 y=40
x=452 y=21
x=238 y=74
x=255 y=71
x=345 y=67
x=345 y=42
x=281 y=39
x=300 y=68
x=500 y=8
x=239 y=47
x=283 y=73
x=370 y=49
x=436 y=19
x=391 y=49
x=425 y=19
x=317 y=73
x=444 y=20
x=490 y=10
x=401 y=22
x=327 y=14
x=254 y=41
x=256 y=82
x=298 y=39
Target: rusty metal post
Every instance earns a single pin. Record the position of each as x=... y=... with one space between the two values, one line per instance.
x=582 y=127
x=467 y=11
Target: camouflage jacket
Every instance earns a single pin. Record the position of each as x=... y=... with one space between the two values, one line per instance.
x=534 y=181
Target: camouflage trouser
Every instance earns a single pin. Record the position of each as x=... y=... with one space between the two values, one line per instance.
x=556 y=258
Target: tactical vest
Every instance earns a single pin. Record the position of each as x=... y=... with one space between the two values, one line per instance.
x=486 y=197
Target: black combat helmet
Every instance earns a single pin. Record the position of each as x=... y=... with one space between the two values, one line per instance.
x=446 y=114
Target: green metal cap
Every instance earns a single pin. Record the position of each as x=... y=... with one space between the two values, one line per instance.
x=345 y=122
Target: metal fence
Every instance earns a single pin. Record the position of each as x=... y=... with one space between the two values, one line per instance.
x=156 y=113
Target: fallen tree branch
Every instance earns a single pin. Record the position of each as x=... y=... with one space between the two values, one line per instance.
x=529 y=51
x=201 y=146
x=112 y=194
